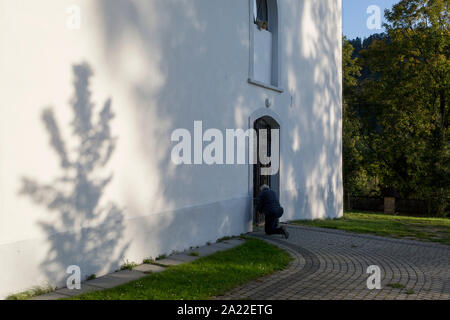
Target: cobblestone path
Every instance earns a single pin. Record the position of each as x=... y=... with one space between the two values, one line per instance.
x=332 y=265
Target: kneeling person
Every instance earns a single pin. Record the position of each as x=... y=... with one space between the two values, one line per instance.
x=267 y=203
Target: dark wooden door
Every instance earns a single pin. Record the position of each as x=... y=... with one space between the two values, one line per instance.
x=258 y=179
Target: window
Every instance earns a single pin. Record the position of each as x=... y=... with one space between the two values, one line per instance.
x=264 y=64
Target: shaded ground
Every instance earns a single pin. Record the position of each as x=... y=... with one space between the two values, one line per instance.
x=426 y=229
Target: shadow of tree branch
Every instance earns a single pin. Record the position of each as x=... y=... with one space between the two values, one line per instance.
x=85 y=232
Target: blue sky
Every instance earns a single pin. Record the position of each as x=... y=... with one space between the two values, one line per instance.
x=355 y=17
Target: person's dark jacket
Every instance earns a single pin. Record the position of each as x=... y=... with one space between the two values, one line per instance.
x=267 y=203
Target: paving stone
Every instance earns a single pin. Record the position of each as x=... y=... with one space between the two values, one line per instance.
x=50 y=296
x=149 y=268
x=207 y=250
x=85 y=288
x=184 y=257
x=128 y=275
x=116 y=279
x=169 y=262
x=223 y=245
x=234 y=242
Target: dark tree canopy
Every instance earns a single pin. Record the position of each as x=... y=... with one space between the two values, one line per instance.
x=396 y=112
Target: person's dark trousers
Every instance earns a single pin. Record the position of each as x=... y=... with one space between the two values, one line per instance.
x=271 y=222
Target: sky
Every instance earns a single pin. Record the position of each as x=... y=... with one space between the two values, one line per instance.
x=355 y=17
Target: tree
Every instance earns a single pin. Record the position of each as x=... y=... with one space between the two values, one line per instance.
x=403 y=103
x=351 y=155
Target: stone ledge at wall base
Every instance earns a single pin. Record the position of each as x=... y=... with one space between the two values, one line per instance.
x=122 y=277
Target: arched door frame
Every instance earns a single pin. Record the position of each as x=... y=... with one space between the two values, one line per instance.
x=258 y=114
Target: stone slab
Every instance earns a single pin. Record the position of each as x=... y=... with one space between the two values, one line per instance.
x=235 y=242
x=85 y=288
x=129 y=275
x=184 y=257
x=207 y=250
x=169 y=262
x=50 y=296
x=116 y=279
x=223 y=245
x=149 y=268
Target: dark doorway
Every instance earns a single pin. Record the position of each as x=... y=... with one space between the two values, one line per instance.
x=273 y=182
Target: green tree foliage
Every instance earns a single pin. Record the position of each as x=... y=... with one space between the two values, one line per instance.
x=401 y=104
x=359 y=178
x=352 y=157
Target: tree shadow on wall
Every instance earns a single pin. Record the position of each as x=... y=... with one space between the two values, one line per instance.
x=84 y=232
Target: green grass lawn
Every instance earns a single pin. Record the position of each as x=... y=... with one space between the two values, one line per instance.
x=425 y=229
x=206 y=277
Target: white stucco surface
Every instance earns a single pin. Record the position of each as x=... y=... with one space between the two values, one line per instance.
x=164 y=64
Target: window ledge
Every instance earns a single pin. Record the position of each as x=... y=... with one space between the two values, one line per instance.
x=266 y=86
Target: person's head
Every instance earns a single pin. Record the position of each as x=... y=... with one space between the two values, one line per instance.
x=264 y=187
